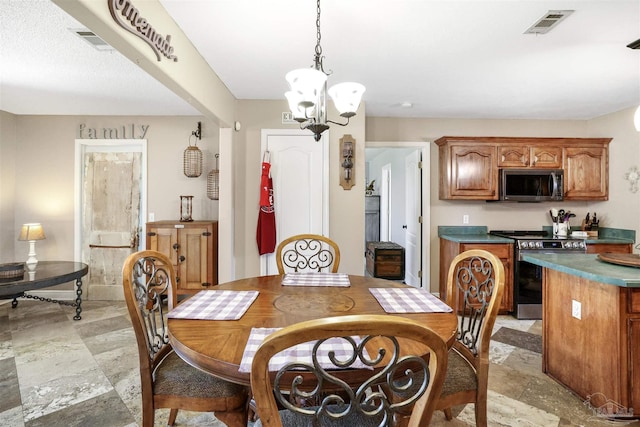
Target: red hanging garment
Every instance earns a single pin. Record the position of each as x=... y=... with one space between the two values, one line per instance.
x=266 y=230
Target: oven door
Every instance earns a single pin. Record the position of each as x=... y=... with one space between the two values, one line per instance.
x=527 y=291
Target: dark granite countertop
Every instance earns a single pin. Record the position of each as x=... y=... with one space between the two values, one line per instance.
x=588 y=266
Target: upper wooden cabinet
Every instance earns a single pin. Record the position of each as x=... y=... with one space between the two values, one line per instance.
x=524 y=156
x=469 y=165
x=586 y=173
x=468 y=171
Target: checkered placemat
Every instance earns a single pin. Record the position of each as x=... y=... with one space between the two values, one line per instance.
x=409 y=300
x=300 y=352
x=316 y=279
x=215 y=305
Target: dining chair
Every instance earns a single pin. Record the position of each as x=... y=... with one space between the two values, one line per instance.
x=475 y=284
x=166 y=380
x=306 y=253
x=346 y=391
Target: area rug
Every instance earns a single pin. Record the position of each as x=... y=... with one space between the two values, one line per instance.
x=516 y=338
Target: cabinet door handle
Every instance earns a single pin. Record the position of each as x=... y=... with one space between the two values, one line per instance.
x=176 y=246
x=206 y=285
x=181 y=258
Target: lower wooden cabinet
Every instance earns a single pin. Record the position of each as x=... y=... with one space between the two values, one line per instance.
x=449 y=249
x=192 y=247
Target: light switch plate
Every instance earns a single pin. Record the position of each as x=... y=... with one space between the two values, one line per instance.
x=576 y=309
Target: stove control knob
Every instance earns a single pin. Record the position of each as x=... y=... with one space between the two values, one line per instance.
x=524 y=245
x=539 y=245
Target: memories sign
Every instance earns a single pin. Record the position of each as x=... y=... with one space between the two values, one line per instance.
x=128 y=17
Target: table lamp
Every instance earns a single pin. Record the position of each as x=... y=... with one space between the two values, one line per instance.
x=32 y=232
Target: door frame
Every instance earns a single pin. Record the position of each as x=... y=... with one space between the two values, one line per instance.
x=324 y=140
x=425 y=148
x=83 y=146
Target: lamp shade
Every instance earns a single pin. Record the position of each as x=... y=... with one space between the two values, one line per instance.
x=32 y=231
x=346 y=97
x=308 y=83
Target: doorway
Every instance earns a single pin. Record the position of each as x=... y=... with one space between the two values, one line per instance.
x=110 y=207
x=408 y=212
x=299 y=169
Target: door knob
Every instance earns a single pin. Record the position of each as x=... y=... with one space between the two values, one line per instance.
x=404 y=226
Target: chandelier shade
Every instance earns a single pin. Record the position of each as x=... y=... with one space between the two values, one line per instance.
x=346 y=97
x=307 y=96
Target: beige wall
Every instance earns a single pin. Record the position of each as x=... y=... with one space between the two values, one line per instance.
x=45 y=189
x=346 y=208
x=8 y=232
x=621 y=211
x=41 y=185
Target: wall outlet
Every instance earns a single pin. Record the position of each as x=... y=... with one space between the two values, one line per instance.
x=465 y=219
x=576 y=309
x=152 y=217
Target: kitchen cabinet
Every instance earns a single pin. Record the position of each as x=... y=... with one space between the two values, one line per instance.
x=192 y=248
x=467 y=171
x=450 y=249
x=586 y=173
x=524 y=156
x=469 y=166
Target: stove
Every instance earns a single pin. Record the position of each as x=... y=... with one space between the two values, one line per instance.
x=527 y=277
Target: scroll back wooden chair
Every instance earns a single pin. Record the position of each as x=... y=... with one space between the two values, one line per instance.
x=365 y=405
x=166 y=380
x=307 y=253
x=475 y=284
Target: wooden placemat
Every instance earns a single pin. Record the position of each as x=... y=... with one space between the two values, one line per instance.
x=630 y=260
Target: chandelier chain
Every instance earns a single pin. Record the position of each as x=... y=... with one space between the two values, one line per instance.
x=318 y=47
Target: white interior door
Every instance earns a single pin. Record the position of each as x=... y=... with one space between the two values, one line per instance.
x=299 y=170
x=385 y=204
x=413 y=212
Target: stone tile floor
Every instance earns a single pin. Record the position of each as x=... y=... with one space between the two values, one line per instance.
x=55 y=371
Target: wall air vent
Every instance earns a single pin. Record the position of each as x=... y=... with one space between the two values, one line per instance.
x=90 y=37
x=550 y=20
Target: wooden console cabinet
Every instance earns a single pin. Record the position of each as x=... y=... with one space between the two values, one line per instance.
x=449 y=249
x=469 y=166
x=192 y=247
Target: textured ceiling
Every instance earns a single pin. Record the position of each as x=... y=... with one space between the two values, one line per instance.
x=449 y=59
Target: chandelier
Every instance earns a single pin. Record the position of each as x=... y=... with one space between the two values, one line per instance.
x=307 y=96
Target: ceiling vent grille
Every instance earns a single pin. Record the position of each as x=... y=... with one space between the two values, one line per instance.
x=550 y=20
x=90 y=37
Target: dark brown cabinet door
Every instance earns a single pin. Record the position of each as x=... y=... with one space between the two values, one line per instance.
x=586 y=175
x=474 y=173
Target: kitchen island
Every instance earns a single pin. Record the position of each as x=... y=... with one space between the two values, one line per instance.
x=591 y=328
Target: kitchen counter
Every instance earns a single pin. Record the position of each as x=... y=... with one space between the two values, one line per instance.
x=591 y=326
x=588 y=266
x=471 y=234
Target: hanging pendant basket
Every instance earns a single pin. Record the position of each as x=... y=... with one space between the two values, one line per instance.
x=213 y=182
x=192 y=161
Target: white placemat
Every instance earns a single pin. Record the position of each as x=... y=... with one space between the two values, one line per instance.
x=301 y=352
x=215 y=305
x=316 y=279
x=409 y=300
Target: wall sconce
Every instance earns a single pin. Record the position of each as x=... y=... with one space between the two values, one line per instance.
x=32 y=232
x=185 y=208
x=347 y=161
x=193 y=156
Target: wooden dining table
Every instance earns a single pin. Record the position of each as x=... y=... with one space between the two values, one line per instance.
x=217 y=346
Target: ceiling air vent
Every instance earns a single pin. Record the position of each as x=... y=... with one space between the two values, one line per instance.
x=549 y=21
x=90 y=37
x=634 y=45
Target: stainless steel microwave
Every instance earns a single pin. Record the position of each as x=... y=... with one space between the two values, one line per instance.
x=531 y=185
